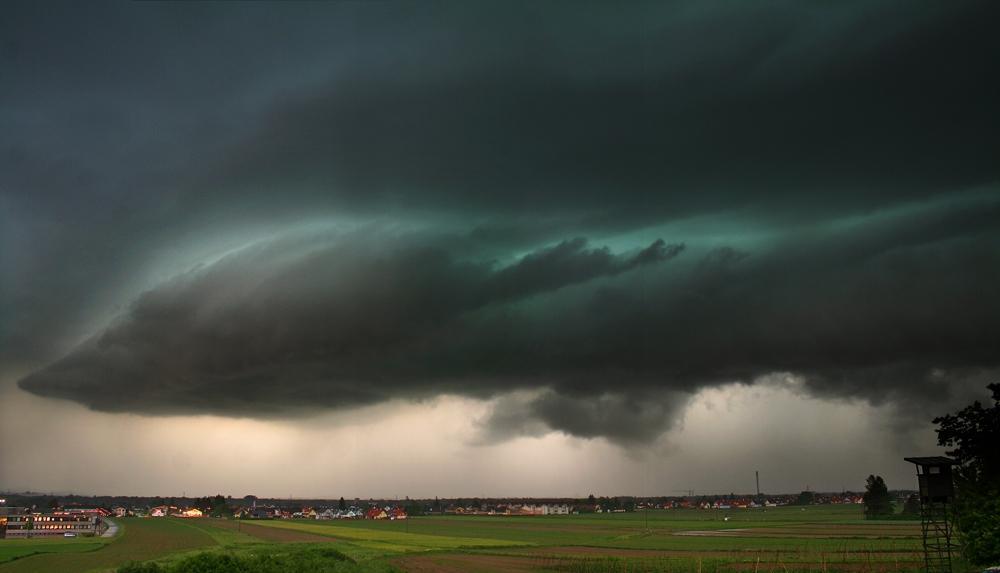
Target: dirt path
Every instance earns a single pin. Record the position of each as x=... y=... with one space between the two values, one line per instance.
x=766 y=554
x=801 y=533
x=774 y=566
x=466 y=564
x=547 y=556
x=112 y=529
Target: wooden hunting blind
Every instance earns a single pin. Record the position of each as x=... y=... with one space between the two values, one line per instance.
x=934 y=478
x=937 y=491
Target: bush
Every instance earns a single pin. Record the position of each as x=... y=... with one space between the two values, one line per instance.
x=140 y=568
x=978 y=520
x=320 y=560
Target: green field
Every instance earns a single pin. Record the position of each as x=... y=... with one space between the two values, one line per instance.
x=780 y=540
x=11 y=549
x=140 y=539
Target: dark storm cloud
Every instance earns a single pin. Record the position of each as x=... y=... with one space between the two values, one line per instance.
x=682 y=114
x=861 y=137
x=628 y=418
x=295 y=325
x=869 y=311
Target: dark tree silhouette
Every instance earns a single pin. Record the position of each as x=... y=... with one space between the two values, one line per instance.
x=805 y=498
x=974 y=435
x=878 y=502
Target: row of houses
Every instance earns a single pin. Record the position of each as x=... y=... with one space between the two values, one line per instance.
x=391 y=511
x=755 y=503
x=513 y=509
x=631 y=504
x=171 y=511
x=270 y=512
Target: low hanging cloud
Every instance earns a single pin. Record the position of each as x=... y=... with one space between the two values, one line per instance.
x=606 y=344
x=303 y=324
x=627 y=418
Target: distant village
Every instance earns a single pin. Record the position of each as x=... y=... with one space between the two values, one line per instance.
x=33 y=514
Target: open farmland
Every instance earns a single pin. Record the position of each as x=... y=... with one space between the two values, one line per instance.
x=11 y=549
x=819 y=538
x=141 y=539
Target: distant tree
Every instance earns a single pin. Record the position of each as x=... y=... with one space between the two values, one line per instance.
x=205 y=504
x=220 y=507
x=609 y=503
x=341 y=504
x=805 y=498
x=974 y=433
x=591 y=499
x=878 y=502
x=53 y=503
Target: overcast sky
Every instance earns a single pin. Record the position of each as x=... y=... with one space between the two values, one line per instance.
x=541 y=248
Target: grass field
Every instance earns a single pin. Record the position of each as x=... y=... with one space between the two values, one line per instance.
x=780 y=540
x=140 y=539
x=11 y=549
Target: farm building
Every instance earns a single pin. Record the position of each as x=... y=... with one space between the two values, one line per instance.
x=25 y=525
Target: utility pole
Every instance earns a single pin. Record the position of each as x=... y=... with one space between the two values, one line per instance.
x=757 y=474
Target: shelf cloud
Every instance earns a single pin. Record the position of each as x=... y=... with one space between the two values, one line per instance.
x=612 y=342
x=585 y=215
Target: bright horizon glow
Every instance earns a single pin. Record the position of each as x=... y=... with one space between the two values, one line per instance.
x=426 y=450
